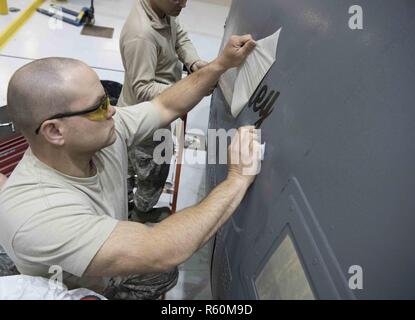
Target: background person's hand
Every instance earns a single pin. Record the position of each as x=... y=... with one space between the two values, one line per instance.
x=236 y=51
x=199 y=64
x=244 y=154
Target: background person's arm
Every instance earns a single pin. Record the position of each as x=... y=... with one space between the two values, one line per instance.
x=184 y=47
x=197 y=65
x=134 y=248
x=185 y=94
x=140 y=62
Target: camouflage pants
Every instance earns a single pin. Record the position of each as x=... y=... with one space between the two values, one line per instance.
x=7 y=267
x=151 y=176
x=141 y=287
x=137 y=287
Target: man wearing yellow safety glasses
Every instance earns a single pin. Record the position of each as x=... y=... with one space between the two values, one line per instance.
x=65 y=205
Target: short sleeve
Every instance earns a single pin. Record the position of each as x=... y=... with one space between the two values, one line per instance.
x=137 y=123
x=69 y=237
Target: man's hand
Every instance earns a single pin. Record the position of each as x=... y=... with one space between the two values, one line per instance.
x=236 y=51
x=185 y=94
x=199 y=64
x=244 y=155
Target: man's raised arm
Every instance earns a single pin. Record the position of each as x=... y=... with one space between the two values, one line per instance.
x=184 y=95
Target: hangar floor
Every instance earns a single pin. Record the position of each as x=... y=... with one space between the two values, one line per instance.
x=42 y=37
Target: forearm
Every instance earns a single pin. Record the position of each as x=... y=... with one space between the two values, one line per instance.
x=228 y=213
x=185 y=94
x=188 y=230
x=187 y=53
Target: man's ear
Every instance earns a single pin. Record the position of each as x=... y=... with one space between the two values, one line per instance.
x=51 y=130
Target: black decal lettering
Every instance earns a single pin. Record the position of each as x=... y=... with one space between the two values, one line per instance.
x=266 y=111
x=259 y=122
x=261 y=95
x=253 y=97
x=265 y=106
x=269 y=101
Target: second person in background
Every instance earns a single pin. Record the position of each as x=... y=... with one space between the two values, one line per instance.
x=154 y=48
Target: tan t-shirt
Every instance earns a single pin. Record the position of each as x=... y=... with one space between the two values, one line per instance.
x=151 y=50
x=48 y=218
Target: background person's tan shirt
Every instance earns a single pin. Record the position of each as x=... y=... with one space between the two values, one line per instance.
x=48 y=218
x=151 y=50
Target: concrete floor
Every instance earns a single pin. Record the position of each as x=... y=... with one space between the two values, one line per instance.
x=42 y=37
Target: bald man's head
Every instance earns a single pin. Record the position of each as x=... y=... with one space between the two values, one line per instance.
x=41 y=89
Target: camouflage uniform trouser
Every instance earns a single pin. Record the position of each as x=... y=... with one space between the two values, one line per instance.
x=151 y=176
x=137 y=287
x=7 y=267
x=141 y=287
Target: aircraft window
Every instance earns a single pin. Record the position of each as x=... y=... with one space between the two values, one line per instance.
x=283 y=277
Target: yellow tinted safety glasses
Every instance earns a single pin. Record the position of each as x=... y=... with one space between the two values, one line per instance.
x=101 y=112
x=98 y=112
